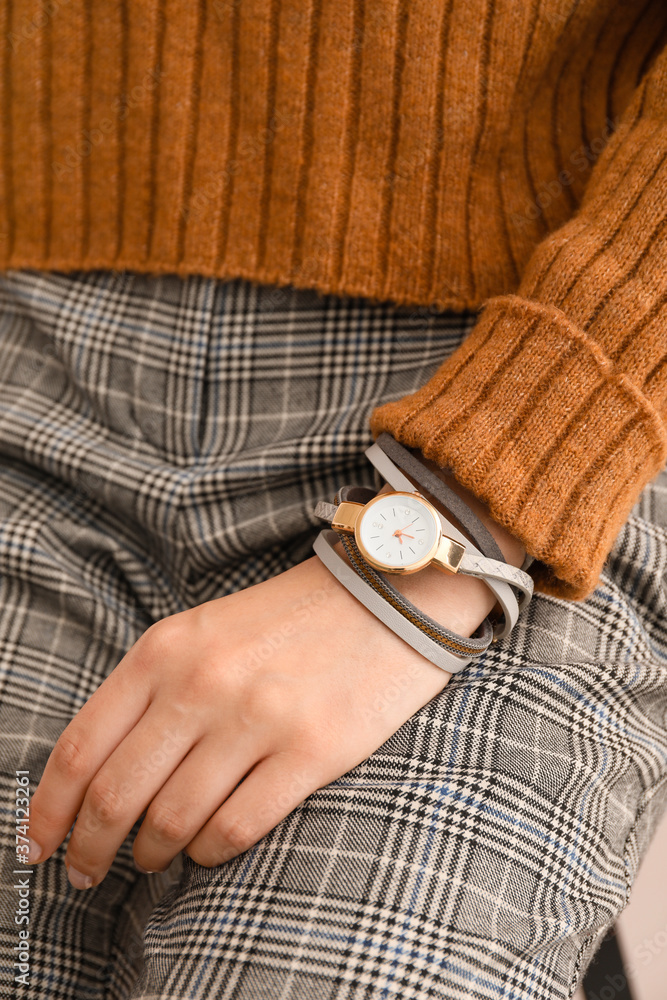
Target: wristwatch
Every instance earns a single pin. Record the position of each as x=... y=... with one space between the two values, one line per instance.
x=357 y=513
x=440 y=645
x=386 y=452
x=397 y=532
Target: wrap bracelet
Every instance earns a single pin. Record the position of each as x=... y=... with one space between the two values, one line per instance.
x=394 y=619
x=460 y=645
x=513 y=587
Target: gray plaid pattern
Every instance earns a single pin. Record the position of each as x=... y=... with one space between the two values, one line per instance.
x=164 y=441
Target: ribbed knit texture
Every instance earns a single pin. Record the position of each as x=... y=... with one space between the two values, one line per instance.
x=553 y=411
x=427 y=152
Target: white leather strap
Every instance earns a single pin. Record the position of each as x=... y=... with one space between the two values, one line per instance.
x=433 y=487
x=487 y=569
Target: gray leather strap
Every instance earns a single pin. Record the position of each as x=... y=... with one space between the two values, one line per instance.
x=393 y=619
x=491 y=569
x=494 y=573
x=503 y=591
x=425 y=479
x=461 y=645
x=471 y=564
x=357 y=494
x=386 y=451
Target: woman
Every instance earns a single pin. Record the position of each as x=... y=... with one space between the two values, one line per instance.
x=304 y=205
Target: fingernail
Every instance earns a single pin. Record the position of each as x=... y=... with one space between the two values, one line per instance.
x=34 y=851
x=144 y=871
x=78 y=879
x=148 y=871
x=228 y=855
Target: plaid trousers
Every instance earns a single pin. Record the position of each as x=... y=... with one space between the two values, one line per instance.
x=163 y=442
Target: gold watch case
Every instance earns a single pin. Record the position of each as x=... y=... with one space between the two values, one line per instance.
x=445 y=553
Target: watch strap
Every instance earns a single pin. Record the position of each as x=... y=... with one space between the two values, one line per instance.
x=491 y=569
x=426 y=479
x=376 y=603
x=504 y=593
x=386 y=452
x=471 y=564
x=461 y=645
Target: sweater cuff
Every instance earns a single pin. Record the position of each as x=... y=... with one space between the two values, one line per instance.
x=534 y=419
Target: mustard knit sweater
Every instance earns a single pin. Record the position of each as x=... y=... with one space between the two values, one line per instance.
x=443 y=153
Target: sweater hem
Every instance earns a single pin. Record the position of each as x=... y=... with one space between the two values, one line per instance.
x=262 y=276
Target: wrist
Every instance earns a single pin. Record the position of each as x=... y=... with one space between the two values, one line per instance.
x=369 y=633
x=459 y=602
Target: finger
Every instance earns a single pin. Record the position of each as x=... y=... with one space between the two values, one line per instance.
x=270 y=792
x=125 y=785
x=190 y=797
x=87 y=741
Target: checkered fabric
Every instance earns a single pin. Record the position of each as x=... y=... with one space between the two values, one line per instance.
x=163 y=442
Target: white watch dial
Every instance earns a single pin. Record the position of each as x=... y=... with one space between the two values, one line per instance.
x=397 y=530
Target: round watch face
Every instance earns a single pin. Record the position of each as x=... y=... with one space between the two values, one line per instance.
x=397 y=532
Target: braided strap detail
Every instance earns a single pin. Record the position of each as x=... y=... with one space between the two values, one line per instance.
x=493 y=569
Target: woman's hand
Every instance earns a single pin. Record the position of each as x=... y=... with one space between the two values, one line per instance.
x=287 y=685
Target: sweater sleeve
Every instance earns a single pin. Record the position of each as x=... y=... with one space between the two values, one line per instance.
x=553 y=409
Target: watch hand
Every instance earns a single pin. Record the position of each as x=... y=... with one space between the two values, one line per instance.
x=401 y=531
